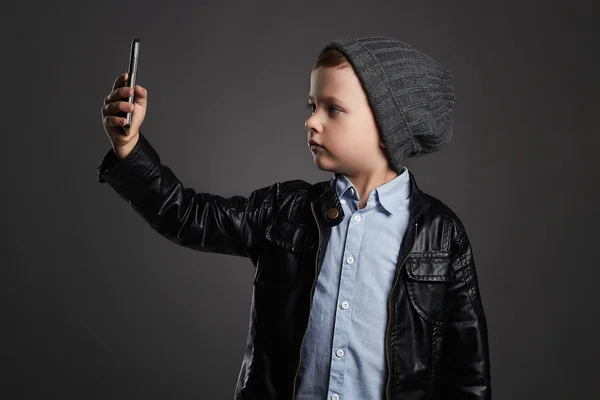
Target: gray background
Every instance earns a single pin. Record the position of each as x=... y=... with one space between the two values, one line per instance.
x=96 y=305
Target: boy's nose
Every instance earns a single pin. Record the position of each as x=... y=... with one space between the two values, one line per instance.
x=310 y=127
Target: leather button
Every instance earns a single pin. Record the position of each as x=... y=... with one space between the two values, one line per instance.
x=332 y=213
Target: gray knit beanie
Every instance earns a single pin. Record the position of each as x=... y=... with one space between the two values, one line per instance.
x=411 y=94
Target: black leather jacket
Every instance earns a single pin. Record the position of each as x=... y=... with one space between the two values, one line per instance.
x=436 y=338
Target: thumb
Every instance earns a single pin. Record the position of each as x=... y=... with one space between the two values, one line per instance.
x=140 y=96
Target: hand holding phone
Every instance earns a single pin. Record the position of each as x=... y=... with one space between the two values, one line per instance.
x=125 y=106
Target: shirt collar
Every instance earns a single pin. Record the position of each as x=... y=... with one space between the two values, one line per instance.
x=391 y=195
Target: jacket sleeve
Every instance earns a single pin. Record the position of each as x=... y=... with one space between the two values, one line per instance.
x=467 y=336
x=200 y=221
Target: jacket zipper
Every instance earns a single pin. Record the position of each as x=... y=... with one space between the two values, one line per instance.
x=311 y=297
x=387 y=357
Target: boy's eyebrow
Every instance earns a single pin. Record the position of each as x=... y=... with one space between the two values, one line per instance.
x=327 y=98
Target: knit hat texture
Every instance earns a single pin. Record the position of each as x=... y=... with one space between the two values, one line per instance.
x=411 y=94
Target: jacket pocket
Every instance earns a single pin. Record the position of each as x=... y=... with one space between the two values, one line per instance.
x=427 y=278
x=290 y=236
x=288 y=250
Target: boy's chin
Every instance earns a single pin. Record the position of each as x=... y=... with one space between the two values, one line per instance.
x=327 y=168
x=324 y=165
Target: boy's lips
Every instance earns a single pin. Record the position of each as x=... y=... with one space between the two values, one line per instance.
x=313 y=143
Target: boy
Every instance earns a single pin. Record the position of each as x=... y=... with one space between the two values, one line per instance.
x=365 y=286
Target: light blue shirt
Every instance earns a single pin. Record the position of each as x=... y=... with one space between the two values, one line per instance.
x=343 y=353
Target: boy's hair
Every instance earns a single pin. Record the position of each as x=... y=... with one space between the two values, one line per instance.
x=331 y=58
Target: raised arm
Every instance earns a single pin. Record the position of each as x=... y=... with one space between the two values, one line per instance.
x=201 y=221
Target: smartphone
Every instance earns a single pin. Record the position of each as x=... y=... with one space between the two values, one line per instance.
x=131 y=75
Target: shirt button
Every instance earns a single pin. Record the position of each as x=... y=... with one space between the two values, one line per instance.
x=343 y=202
x=340 y=353
x=345 y=305
x=349 y=260
x=352 y=190
x=357 y=217
x=335 y=397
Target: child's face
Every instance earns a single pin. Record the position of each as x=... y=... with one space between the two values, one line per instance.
x=343 y=125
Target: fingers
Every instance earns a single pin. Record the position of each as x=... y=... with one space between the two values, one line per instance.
x=118 y=88
x=118 y=94
x=120 y=81
x=116 y=104
x=117 y=107
x=124 y=92
x=113 y=120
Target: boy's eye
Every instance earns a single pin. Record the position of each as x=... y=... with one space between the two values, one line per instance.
x=330 y=108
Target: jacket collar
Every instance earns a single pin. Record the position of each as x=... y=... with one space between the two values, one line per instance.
x=329 y=209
